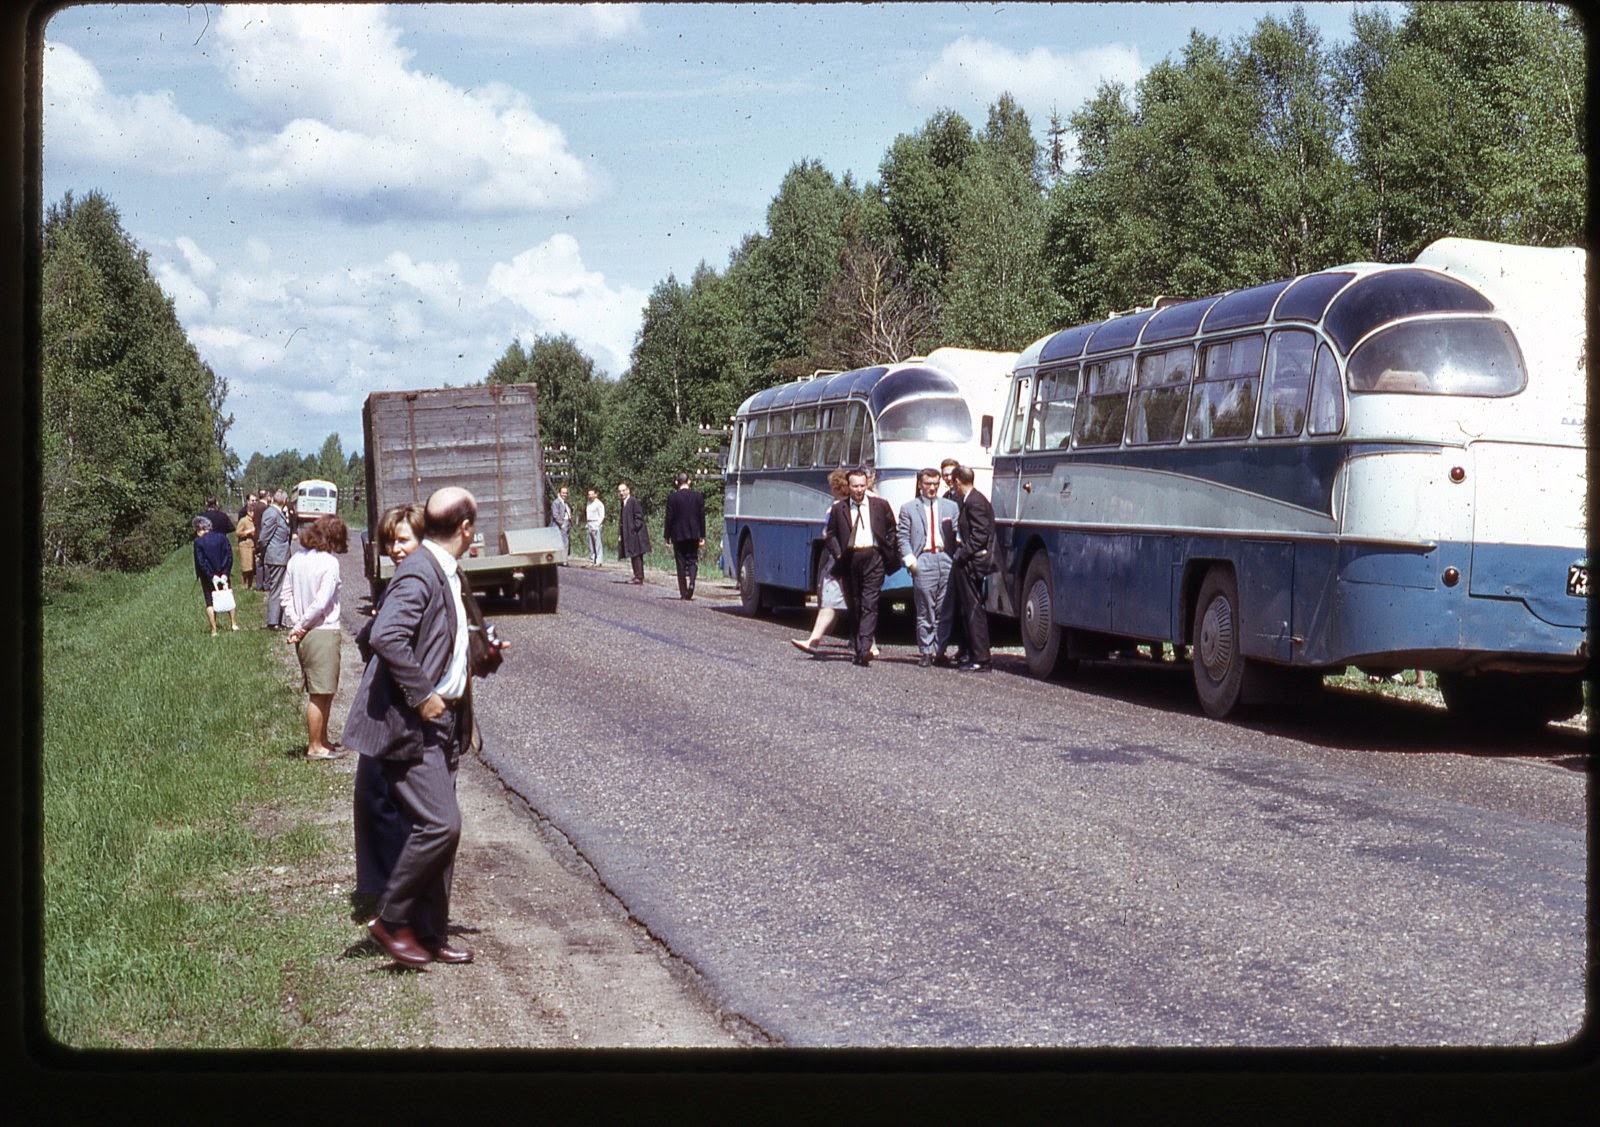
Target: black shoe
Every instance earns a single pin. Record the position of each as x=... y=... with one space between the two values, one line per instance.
x=976 y=667
x=924 y=661
x=962 y=658
x=861 y=661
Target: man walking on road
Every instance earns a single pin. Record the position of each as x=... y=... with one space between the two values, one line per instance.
x=861 y=534
x=561 y=517
x=686 y=528
x=594 y=519
x=635 y=537
x=927 y=529
x=413 y=713
x=272 y=545
x=973 y=561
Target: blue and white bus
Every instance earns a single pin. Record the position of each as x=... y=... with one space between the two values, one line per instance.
x=893 y=418
x=1380 y=466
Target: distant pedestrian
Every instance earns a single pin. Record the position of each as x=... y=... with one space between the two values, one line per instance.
x=213 y=563
x=974 y=561
x=634 y=536
x=263 y=501
x=561 y=517
x=927 y=534
x=311 y=606
x=830 y=595
x=272 y=541
x=686 y=529
x=220 y=521
x=594 y=517
x=245 y=530
x=861 y=534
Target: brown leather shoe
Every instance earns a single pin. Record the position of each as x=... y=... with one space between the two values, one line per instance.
x=401 y=942
x=441 y=950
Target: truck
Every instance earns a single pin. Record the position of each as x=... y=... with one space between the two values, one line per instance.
x=486 y=440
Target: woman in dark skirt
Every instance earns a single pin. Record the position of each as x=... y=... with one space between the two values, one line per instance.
x=213 y=556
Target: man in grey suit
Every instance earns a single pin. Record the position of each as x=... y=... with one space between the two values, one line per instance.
x=272 y=545
x=927 y=527
x=561 y=517
x=412 y=712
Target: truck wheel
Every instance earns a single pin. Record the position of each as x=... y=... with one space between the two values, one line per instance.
x=1218 y=659
x=749 y=589
x=530 y=594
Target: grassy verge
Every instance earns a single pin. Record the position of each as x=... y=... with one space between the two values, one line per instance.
x=196 y=874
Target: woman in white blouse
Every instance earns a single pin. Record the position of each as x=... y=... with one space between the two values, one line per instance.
x=311 y=608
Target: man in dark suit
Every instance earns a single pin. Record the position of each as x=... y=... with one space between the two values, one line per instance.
x=862 y=535
x=634 y=535
x=972 y=562
x=272 y=556
x=686 y=528
x=412 y=712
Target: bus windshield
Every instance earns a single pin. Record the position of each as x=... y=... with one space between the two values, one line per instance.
x=926 y=420
x=1459 y=356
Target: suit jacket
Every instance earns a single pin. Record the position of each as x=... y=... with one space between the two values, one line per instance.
x=686 y=515
x=213 y=555
x=272 y=537
x=975 y=526
x=560 y=514
x=635 y=537
x=837 y=534
x=914 y=526
x=412 y=639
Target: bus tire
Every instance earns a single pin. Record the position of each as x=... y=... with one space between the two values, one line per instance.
x=749 y=589
x=1038 y=621
x=1509 y=701
x=1219 y=661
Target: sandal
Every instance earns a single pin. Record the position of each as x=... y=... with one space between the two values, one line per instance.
x=336 y=753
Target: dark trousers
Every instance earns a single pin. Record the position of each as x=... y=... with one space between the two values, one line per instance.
x=687 y=555
x=418 y=892
x=862 y=584
x=967 y=587
x=638 y=568
x=381 y=828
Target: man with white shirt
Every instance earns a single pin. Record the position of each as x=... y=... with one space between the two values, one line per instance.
x=927 y=527
x=412 y=712
x=594 y=516
x=861 y=534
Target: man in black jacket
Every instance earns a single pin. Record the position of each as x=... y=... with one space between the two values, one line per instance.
x=864 y=539
x=686 y=528
x=635 y=537
x=972 y=562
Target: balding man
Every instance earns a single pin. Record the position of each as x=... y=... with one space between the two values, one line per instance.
x=412 y=713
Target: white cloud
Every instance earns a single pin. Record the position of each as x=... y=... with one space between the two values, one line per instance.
x=353 y=126
x=977 y=70
x=201 y=265
x=533 y=25
x=551 y=283
x=84 y=122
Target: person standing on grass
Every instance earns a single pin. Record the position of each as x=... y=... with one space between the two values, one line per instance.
x=561 y=517
x=246 y=532
x=311 y=605
x=272 y=541
x=213 y=560
x=413 y=713
x=594 y=517
x=686 y=529
x=635 y=537
x=220 y=521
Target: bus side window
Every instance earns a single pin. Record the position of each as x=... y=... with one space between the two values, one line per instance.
x=1103 y=402
x=1021 y=395
x=854 y=415
x=805 y=438
x=1327 y=395
x=1161 y=396
x=1288 y=384
x=755 y=442
x=778 y=441
x=1053 y=412
x=1224 y=398
x=831 y=438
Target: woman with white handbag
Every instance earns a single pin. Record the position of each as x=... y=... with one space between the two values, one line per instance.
x=213 y=563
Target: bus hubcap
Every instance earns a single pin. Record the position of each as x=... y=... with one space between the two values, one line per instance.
x=1036 y=614
x=1216 y=639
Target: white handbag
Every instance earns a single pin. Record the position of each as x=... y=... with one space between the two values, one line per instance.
x=222 y=596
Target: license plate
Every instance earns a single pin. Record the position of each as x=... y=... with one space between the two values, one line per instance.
x=1578 y=580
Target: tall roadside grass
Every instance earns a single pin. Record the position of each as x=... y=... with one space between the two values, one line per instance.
x=193 y=878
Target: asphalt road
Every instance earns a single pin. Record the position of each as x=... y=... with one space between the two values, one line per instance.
x=896 y=856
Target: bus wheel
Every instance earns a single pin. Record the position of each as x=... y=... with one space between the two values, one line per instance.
x=1041 y=630
x=1509 y=701
x=749 y=589
x=1218 y=661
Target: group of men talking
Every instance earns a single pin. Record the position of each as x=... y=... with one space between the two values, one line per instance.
x=944 y=540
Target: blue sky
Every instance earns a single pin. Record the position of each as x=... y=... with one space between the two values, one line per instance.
x=343 y=199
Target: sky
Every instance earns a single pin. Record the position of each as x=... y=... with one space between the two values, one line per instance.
x=342 y=199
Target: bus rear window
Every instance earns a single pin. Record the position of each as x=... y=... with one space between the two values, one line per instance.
x=1460 y=356
x=926 y=420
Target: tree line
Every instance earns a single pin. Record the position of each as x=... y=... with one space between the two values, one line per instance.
x=1230 y=165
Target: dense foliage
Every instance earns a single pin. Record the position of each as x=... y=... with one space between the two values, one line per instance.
x=1230 y=165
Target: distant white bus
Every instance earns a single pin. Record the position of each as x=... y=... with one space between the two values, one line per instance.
x=1374 y=465
x=893 y=418
x=314 y=498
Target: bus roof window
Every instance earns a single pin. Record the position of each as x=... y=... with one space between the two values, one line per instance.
x=1451 y=356
x=1177 y=320
x=1119 y=333
x=910 y=381
x=1244 y=307
x=1308 y=297
x=1067 y=344
x=1380 y=298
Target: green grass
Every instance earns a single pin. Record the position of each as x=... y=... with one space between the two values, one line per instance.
x=195 y=885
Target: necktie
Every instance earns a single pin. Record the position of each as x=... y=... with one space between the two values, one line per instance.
x=933 y=545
